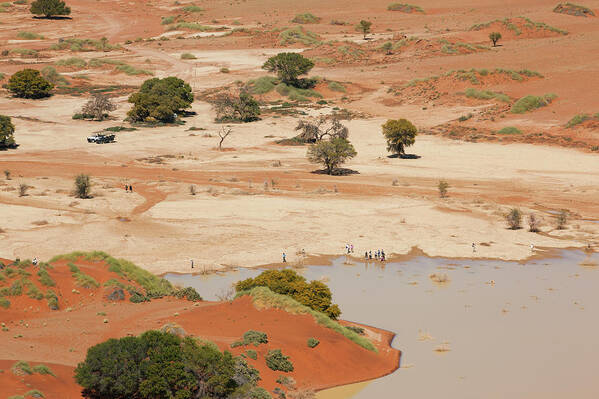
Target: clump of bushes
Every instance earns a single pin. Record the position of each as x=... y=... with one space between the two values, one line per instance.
x=188 y=293
x=29 y=35
x=159 y=100
x=509 y=130
x=313 y=342
x=486 y=95
x=188 y=56
x=403 y=7
x=514 y=218
x=28 y=83
x=580 y=118
x=275 y=360
x=298 y=34
x=315 y=294
x=306 y=18
x=193 y=8
x=76 y=62
x=251 y=354
x=75 y=44
x=573 y=9
x=52 y=300
x=252 y=337
x=530 y=103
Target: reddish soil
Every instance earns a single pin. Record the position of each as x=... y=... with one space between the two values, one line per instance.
x=88 y=318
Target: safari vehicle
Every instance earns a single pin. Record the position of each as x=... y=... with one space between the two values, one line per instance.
x=101 y=138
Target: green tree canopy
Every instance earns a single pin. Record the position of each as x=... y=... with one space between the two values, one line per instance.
x=315 y=294
x=400 y=134
x=288 y=66
x=159 y=100
x=364 y=27
x=162 y=365
x=49 y=8
x=494 y=36
x=7 y=130
x=29 y=83
x=331 y=153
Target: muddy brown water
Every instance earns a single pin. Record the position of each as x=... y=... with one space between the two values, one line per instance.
x=507 y=329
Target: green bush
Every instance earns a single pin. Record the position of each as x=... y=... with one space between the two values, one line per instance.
x=21 y=368
x=316 y=295
x=49 y=8
x=262 y=85
x=24 y=52
x=188 y=56
x=251 y=354
x=76 y=44
x=28 y=83
x=298 y=34
x=577 y=119
x=193 y=8
x=486 y=95
x=29 y=35
x=255 y=337
x=530 y=103
x=306 y=18
x=72 y=62
x=35 y=393
x=188 y=293
x=7 y=130
x=357 y=330
x=313 y=342
x=509 y=130
x=43 y=370
x=52 y=300
x=336 y=86
x=409 y=8
x=4 y=303
x=162 y=365
x=167 y=20
x=275 y=360
x=189 y=25
x=85 y=280
x=51 y=75
x=160 y=99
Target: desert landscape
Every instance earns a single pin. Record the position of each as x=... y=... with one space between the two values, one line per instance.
x=200 y=137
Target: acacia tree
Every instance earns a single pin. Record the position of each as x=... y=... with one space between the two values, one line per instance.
x=242 y=108
x=29 y=83
x=49 y=8
x=364 y=27
x=321 y=128
x=7 y=139
x=288 y=66
x=494 y=36
x=160 y=100
x=98 y=107
x=400 y=134
x=331 y=153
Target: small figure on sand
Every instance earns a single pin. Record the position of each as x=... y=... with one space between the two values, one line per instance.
x=35 y=261
x=352 y=248
x=126 y=187
x=383 y=257
x=192 y=263
x=532 y=247
x=366 y=255
x=284 y=258
x=130 y=188
x=370 y=255
x=473 y=247
x=303 y=252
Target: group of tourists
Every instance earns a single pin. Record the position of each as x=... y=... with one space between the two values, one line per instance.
x=129 y=188
x=378 y=255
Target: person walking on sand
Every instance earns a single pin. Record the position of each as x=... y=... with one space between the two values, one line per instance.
x=366 y=255
x=532 y=247
x=126 y=188
x=473 y=247
x=370 y=255
x=284 y=258
x=192 y=263
x=34 y=261
x=352 y=248
x=130 y=188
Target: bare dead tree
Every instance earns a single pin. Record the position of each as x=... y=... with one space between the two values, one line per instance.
x=321 y=128
x=98 y=106
x=223 y=133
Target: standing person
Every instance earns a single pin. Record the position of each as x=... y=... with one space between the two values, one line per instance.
x=126 y=188
x=473 y=247
x=284 y=258
x=366 y=255
x=130 y=188
x=370 y=255
x=34 y=261
x=192 y=263
x=532 y=247
x=352 y=248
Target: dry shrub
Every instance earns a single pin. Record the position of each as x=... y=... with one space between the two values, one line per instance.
x=302 y=394
x=439 y=278
x=534 y=223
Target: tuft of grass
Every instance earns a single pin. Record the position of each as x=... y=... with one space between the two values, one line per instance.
x=188 y=56
x=509 y=130
x=21 y=368
x=262 y=85
x=4 y=303
x=85 y=280
x=35 y=393
x=192 y=8
x=24 y=52
x=29 y=35
x=131 y=70
x=298 y=35
x=75 y=44
x=486 y=95
x=312 y=342
x=577 y=119
x=336 y=86
x=167 y=20
x=72 y=62
x=52 y=75
x=306 y=18
x=403 y=7
x=45 y=278
x=530 y=103
x=263 y=297
x=190 y=26
x=43 y=370
x=573 y=9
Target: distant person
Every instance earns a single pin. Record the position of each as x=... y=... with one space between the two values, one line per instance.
x=34 y=262
x=366 y=255
x=192 y=263
x=532 y=247
x=303 y=252
x=126 y=188
x=473 y=247
x=284 y=258
x=130 y=188
x=352 y=248
x=370 y=255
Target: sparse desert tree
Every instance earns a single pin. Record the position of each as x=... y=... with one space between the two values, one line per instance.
x=49 y=8
x=29 y=83
x=443 y=186
x=192 y=189
x=331 y=153
x=7 y=138
x=23 y=189
x=241 y=108
x=364 y=27
x=313 y=131
x=514 y=218
x=82 y=186
x=562 y=219
x=7 y=174
x=288 y=66
x=223 y=133
x=494 y=36
x=399 y=133
x=534 y=223
x=98 y=107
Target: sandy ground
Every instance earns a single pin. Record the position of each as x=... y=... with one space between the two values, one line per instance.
x=247 y=212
